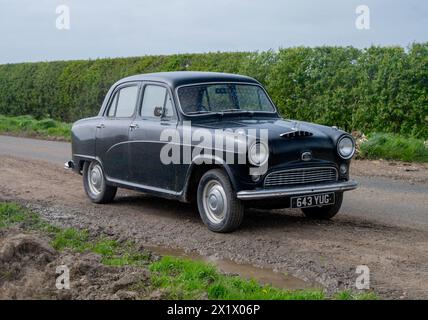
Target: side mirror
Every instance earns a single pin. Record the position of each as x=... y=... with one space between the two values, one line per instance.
x=157 y=112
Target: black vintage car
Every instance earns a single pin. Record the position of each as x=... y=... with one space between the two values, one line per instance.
x=212 y=139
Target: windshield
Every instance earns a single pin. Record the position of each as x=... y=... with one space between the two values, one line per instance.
x=224 y=97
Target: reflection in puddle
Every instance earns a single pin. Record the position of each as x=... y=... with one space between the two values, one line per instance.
x=247 y=271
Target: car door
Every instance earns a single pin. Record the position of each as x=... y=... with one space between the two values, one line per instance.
x=157 y=113
x=112 y=135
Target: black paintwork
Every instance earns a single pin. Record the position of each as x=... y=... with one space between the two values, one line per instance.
x=130 y=157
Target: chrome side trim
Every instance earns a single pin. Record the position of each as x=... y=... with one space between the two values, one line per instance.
x=143 y=187
x=304 y=190
x=84 y=156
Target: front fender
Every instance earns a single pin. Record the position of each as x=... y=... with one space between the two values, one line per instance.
x=209 y=160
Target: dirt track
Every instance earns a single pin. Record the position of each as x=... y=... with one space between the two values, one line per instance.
x=383 y=224
x=327 y=252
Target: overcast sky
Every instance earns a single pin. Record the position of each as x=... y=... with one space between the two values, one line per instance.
x=100 y=28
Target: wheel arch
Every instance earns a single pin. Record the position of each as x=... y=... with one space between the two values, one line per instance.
x=80 y=160
x=199 y=166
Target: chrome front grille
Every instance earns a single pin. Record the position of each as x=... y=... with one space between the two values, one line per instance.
x=301 y=176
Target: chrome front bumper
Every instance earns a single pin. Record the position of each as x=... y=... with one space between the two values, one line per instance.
x=295 y=191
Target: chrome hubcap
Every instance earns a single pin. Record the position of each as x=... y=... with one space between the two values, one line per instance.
x=215 y=201
x=95 y=178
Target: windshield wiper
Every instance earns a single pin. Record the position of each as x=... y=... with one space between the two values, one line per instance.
x=221 y=112
x=237 y=111
x=199 y=112
x=231 y=110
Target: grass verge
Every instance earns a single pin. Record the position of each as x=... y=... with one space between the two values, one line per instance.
x=187 y=279
x=394 y=147
x=29 y=127
x=179 y=278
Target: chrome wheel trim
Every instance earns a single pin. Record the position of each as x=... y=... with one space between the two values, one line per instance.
x=214 y=201
x=95 y=178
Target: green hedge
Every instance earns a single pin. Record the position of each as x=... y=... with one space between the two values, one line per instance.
x=375 y=89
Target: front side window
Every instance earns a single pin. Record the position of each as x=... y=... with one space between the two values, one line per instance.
x=169 y=107
x=124 y=102
x=228 y=97
x=157 y=103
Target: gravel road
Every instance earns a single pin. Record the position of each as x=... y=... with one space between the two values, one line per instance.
x=383 y=224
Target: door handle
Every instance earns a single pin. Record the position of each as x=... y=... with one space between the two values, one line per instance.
x=101 y=126
x=134 y=126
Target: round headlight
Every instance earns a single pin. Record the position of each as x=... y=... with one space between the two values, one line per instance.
x=258 y=154
x=346 y=147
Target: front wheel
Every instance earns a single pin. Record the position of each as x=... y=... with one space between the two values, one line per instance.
x=325 y=212
x=218 y=206
x=95 y=185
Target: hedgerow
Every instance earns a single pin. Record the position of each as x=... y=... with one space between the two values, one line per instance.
x=378 y=89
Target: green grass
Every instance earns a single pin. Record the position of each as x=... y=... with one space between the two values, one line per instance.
x=119 y=254
x=28 y=126
x=178 y=278
x=112 y=252
x=187 y=279
x=348 y=295
x=394 y=147
x=12 y=214
x=74 y=239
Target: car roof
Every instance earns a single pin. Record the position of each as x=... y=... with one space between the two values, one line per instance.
x=179 y=78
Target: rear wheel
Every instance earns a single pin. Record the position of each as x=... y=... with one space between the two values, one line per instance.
x=218 y=206
x=325 y=212
x=95 y=185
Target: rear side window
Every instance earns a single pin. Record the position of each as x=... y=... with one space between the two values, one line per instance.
x=124 y=102
x=127 y=101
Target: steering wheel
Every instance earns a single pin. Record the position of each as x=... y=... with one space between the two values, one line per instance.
x=201 y=107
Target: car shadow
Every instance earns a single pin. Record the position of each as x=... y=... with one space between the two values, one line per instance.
x=274 y=219
x=255 y=219
x=156 y=205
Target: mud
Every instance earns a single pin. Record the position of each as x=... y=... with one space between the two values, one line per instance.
x=283 y=240
x=395 y=170
x=28 y=270
x=247 y=271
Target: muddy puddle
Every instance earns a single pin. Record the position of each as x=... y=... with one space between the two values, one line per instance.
x=246 y=271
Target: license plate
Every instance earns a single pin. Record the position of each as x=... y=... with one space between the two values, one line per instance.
x=313 y=200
